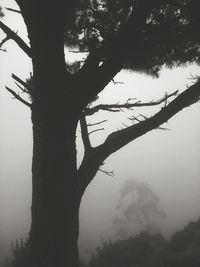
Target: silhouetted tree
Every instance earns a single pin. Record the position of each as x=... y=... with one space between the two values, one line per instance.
x=138 y=35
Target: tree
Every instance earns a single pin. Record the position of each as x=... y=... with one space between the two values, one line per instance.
x=138 y=209
x=133 y=34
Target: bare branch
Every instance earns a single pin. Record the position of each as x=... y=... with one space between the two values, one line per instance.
x=120 y=138
x=96 y=123
x=12 y=35
x=96 y=130
x=134 y=118
x=4 y=40
x=19 y=80
x=79 y=51
x=109 y=173
x=128 y=105
x=18 y=97
x=163 y=128
x=116 y=82
x=84 y=133
x=13 y=10
x=22 y=89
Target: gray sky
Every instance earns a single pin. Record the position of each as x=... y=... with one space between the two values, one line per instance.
x=167 y=160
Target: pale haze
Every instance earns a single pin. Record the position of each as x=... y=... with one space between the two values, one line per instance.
x=166 y=160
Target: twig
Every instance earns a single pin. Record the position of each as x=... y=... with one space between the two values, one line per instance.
x=4 y=40
x=97 y=123
x=21 y=88
x=17 y=79
x=116 y=82
x=13 y=10
x=109 y=173
x=100 y=129
x=18 y=97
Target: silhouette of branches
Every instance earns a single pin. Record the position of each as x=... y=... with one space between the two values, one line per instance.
x=18 y=97
x=128 y=105
x=120 y=138
x=14 y=36
x=137 y=118
x=27 y=89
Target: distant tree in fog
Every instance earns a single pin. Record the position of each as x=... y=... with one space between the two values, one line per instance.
x=139 y=210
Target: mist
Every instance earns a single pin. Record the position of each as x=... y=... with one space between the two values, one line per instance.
x=163 y=164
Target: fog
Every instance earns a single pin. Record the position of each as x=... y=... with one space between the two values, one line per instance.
x=167 y=161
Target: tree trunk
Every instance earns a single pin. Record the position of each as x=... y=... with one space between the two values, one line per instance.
x=55 y=197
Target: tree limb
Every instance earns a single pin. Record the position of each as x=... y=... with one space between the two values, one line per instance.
x=120 y=138
x=12 y=35
x=116 y=140
x=127 y=105
x=18 y=97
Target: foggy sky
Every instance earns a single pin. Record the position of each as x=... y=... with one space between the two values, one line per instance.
x=167 y=160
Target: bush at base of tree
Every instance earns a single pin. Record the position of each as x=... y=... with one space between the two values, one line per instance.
x=19 y=255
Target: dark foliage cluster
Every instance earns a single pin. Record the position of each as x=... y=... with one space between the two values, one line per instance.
x=129 y=252
x=169 y=35
x=187 y=239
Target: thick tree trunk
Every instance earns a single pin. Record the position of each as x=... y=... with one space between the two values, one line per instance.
x=56 y=198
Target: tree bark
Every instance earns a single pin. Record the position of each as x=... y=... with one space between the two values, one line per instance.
x=55 y=197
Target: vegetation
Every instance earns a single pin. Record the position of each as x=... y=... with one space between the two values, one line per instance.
x=143 y=250
x=138 y=35
x=147 y=250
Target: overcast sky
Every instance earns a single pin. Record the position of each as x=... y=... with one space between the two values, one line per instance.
x=167 y=160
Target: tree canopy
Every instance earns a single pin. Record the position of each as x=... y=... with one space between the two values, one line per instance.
x=139 y=35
